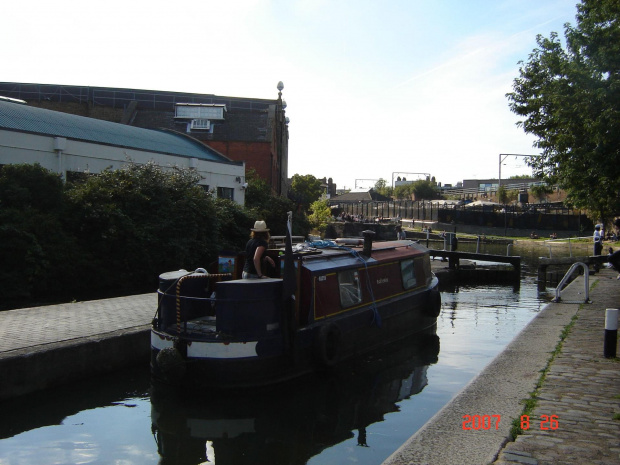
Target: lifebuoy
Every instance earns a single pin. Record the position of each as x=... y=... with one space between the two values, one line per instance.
x=328 y=345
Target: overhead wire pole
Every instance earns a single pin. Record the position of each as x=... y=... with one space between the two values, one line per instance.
x=501 y=160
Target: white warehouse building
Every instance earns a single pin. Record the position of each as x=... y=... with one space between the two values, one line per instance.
x=66 y=144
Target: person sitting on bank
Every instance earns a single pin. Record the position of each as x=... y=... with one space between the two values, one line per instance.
x=255 y=252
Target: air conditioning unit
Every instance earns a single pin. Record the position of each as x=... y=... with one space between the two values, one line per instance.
x=203 y=124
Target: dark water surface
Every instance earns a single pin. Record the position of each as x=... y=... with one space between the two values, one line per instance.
x=359 y=414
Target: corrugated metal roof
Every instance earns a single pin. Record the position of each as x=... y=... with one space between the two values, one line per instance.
x=24 y=118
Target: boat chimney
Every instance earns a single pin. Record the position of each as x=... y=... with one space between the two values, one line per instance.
x=368 y=236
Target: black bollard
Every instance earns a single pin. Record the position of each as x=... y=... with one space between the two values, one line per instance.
x=611 y=332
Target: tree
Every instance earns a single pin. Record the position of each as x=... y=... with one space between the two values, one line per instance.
x=304 y=190
x=139 y=221
x=321 y=215
x=38 y=256
x=570 y=100
x=262 y=204
x=381 y=187
x=541 y=191
x=424 y=189
x=502 y=194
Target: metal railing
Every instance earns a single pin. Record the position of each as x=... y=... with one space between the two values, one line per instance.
x=586 y=273
x=582 y=246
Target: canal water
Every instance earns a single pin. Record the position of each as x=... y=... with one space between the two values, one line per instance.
x=359 y=414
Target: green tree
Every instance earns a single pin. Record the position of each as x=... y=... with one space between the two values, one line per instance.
x=139 y=221
x=570 y=100
x=381 y=187
x=541 y=191
x=262 y=204
x=424 y=189
x=320 y=216
x=304 y=190
x=502 y=194
x=38 y=255
x=258 y=193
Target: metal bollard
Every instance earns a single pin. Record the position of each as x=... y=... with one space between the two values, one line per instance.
x=611 y=332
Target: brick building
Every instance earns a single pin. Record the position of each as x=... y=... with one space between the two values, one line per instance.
x=254 y=131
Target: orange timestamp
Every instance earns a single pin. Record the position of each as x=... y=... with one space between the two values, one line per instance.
x=487 y=422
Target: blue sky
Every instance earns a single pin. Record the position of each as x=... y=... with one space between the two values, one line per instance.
x=375 y=89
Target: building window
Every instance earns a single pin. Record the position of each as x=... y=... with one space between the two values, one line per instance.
x=350 y=291
x=225 y=193
x=199 y=111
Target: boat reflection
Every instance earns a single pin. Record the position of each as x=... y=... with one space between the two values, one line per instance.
x=292 y=422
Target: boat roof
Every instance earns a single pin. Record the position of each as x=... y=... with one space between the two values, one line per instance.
x=328 y=258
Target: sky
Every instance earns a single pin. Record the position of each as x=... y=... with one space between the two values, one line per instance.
x=374 y=89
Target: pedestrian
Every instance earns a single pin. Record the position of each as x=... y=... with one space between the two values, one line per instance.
x=598 y=240
x=255 y=257
x=598 y=244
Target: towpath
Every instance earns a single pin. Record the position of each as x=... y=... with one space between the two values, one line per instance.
x=576 y=418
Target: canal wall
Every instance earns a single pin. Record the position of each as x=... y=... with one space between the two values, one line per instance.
x=27 y=370
x=44 y=347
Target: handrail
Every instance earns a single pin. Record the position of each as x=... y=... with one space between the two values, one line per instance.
x=585 y=241
x=586 y=272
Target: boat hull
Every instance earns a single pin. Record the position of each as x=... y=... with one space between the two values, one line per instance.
x=281 y=351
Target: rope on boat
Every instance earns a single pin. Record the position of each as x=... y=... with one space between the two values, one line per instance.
x=198 y=270
x=199 y=273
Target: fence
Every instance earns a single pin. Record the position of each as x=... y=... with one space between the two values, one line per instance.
x=532 y=217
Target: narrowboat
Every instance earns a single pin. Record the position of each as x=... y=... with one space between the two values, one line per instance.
x=324 y=303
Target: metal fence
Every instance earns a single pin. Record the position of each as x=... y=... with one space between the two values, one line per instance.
x=532 y=217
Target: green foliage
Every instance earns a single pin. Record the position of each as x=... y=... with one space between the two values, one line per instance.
x=114 y=233
x=570 y=99
x=141 y=220
x=234 y=225
x=541 y=191
x=36 y=252
x=502 y=194
x=381 y=187
x=321 y=215
x=258 y=194
x=422 y=189
x=262 y=204
x=304 y=190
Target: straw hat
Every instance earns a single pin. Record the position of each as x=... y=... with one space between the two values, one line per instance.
x=260 y=226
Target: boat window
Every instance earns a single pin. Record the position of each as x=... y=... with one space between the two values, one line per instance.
x=408 y=273
x=350 y=292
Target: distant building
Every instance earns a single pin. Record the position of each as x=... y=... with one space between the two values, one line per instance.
x=249 y=130
x=328 y=186
x=72 y=145
x=351 y=197
x=492 y=184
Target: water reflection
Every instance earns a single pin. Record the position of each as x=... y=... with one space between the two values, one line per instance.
x=294 y=422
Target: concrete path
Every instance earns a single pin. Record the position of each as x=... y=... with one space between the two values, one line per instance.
x=582 y=390
x=46 y=346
